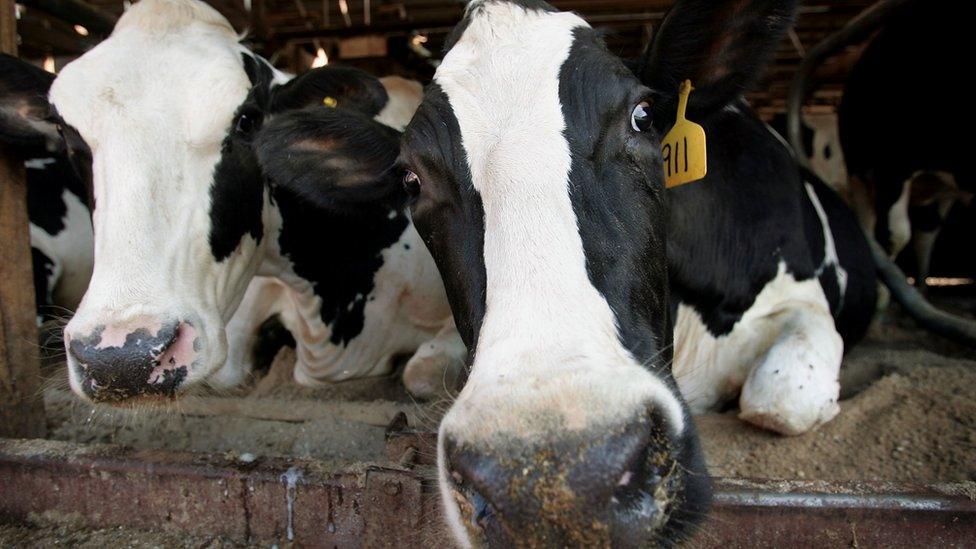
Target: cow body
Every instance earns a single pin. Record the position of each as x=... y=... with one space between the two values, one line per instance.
x=770 y=280
x=589 y=294
x=908 y=166
x=188 y=136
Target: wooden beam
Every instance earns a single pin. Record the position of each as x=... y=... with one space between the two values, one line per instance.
x=76 y=12
x=51 y=39
x=21 y=407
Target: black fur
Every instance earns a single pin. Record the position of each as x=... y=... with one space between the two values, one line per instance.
x=331 y=176
x=239 y=184
x=451 y=218
x=24 y=110
x=736 y=35
x=331 y=157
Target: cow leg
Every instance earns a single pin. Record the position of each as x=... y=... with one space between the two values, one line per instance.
x=436 y=368
x=794 y=386
x=898 y=224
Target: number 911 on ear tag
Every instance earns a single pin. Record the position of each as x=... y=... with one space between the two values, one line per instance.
x=683 y=148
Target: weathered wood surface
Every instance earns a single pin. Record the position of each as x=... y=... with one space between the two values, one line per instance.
x=21 y=407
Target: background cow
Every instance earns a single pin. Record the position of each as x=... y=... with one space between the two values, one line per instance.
x=534 y=164
x=188 y=133
x=900 y=128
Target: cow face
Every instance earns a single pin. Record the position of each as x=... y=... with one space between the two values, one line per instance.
x=535 y=168
x=171 y=107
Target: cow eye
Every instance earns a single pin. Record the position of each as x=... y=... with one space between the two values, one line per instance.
x=640 y=119
x=247 y=123
x=411 y=183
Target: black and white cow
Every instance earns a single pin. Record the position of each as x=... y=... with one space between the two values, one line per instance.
x=189 y=134
x=57 y=197
x=535 y=168
x=60 y=233
x=821 y=147
x=904 y=114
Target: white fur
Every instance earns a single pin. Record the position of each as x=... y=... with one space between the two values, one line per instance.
x=784 y=355
x=548 y=346
x=899 y=225
x=405 y=96
x=826 y=133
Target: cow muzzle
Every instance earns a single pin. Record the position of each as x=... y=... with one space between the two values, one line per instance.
x=616 y=487
x=139 y=358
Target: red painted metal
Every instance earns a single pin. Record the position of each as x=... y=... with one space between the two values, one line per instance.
x=393 y=505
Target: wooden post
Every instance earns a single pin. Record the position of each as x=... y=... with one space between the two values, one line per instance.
x=21 y=407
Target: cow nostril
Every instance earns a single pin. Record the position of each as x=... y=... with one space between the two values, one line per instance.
x=645 y=491
x=477 y=512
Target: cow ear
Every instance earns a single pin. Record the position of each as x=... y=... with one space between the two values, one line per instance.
x=343 y=87
x=333 y=158
x=722 y=46
x=24 y=109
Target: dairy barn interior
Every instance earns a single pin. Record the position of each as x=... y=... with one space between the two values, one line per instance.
x=320 y=429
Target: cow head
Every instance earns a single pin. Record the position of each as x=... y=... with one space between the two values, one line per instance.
x=535 y=171
x=172 y=109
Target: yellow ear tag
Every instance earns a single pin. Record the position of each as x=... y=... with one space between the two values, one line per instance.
x=683 y=147
x=330 y=102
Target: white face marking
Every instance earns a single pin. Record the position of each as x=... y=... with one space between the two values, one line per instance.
x=544 y=319
x=154 y=102
x=548 y=346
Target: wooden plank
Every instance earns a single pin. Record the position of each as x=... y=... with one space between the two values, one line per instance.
x=21 y=408
x=77 y=12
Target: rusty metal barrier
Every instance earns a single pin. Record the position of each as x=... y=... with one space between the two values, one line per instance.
x=276 y=500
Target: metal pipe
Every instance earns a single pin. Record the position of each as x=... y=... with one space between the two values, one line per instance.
x=76 y=12
x=855 y=30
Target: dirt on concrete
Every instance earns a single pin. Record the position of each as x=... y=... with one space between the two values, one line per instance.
x=908 y=414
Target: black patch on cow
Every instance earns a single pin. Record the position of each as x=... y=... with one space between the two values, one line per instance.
x=272 y=336
x=729 y=231
x=448 y=213
x=236 y=197
x=237 y=192
x=339 y=254
x=45 y=194
x=609 y=168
